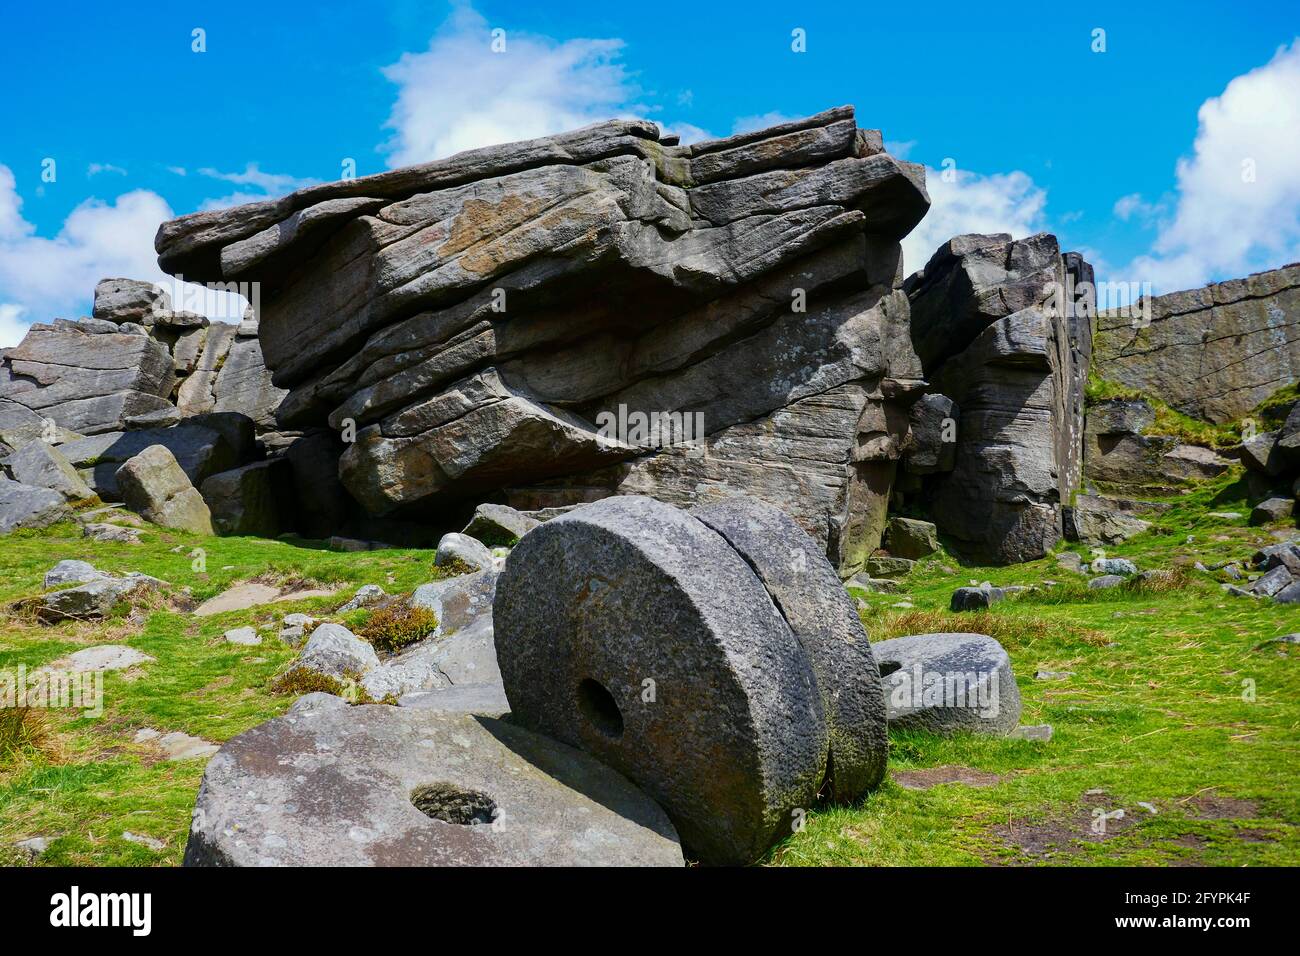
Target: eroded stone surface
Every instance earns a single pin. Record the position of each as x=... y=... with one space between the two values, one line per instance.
x=381 y=307
x=1214 y=352
x=335 y=787
x=946 y=683
x=809 y=596
x=729 y=735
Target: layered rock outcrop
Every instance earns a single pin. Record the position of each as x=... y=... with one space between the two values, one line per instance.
x=1213 y=353
x=1002 y=330
x=135 y=363
x=594 y=313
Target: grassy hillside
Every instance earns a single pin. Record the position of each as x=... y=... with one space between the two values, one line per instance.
x=1153 y=712
x=1157 y=710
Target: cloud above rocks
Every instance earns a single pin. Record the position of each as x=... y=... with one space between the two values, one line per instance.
x=965 y=202
x=262 y=185
x=46 y=278
x=459 y=94
x=1236 y=208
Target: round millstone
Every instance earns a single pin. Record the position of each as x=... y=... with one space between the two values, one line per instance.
x=810 y=597
x=946 y=683
x=631 y=629
x=393 y=786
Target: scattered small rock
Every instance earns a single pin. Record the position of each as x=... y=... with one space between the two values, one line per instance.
x=243 y=635
x=336 y=652
x=1040 y=733
x=316 y=702
x=461 y=547
x=1105 y=581
x=1120 y=566
x=366 y=595
x=976 y=598
x=1272 y=510
x=145 y=841
x=105 y=657
x=35 y=847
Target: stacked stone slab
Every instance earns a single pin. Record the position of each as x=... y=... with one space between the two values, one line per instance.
x=712 y=657
x=1213 y=353
x=135 y=363
x=1002 y=330
x=478 y=318
x=89 y=376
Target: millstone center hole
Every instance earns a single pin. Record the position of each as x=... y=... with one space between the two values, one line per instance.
x=598 y=706
x=888 y=667
x=452 y=804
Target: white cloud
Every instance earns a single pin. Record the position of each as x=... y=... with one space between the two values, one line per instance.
x=94 y=169
x=686 y=132
x=270 y=184
x=900 y=149
x=747 y=124
x=1227 y=222
x=11 y=329
x=460 y=95
x=1133 y=206
x=42 y=279
x=1000 y=202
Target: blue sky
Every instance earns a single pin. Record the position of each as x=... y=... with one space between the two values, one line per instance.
x=1044 y=132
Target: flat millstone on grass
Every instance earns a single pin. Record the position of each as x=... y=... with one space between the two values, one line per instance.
x=241 y=597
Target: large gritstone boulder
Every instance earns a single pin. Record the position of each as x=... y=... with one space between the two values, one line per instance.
x=44 y=466
x=89 y=376
x=1213 y=353
x=1002 y=328
x=602 y=312
x=1119 y=456
x=825 y=622
x=397 y=786
x=639 y=633
x=199 y=450
x=129 y=300
x=25 y=506
x=156 y=488
x=949 y=683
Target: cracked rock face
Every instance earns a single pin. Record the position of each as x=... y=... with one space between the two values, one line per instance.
x=596 y=313
x=994 y=342
x=88 y=377
x=1213 y=353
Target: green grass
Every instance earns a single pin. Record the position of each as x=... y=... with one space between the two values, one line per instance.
x=1267 y=415
x=1168 y=421
x=1154 y=712
x=86 y=782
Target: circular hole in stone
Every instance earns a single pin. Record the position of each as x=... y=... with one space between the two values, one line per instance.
x=452 y=804
x=597 y=704
x=888 y=667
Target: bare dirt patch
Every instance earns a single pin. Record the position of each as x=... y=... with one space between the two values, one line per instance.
x=1210 y=806
x=949 y=773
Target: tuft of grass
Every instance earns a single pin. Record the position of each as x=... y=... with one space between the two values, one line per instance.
x=1272 y=411
x=299 y=680
x=24 y=732
x=453 y=569
x=398 y=625
x=1017 y=633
